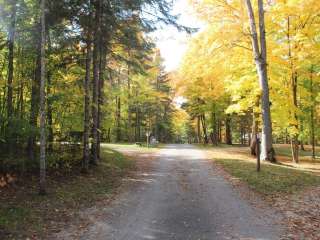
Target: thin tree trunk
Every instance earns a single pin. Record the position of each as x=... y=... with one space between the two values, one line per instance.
x=228 y=131
x=294 y=86
x=219 y=131
x=204 y=128
x=42 y=189
x=301 y=141
x=129 y=104
x=20 y=98
x=312 y=98
x=118 y=120
x=108 y=135
x=198 y=130
x=18 y=80
x=34 y=111
x=253 y=143
x=295 y=150
x=136 y=125
x=103 y=63
x=260 y=57
x=11 y=42
x=95 y=95
x=255 y=117
x=49 y=115
x=295 y=141
x=86 y=130
x=102 y=67
x=214 y=137
x=49 y=101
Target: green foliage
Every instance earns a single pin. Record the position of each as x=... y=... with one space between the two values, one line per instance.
x=20 y=130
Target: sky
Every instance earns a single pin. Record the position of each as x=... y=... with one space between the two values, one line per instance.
x=172 y=43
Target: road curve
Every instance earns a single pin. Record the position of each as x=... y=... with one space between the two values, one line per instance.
x=183 y=197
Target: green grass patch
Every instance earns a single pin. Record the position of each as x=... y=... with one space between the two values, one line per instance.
x=143 y=147
x=286 y=151
x=272 y=179
x=13 y=216
x=23 y=212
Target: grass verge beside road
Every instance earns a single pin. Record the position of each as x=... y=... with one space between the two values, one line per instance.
x=25 y=214
x=273 y=178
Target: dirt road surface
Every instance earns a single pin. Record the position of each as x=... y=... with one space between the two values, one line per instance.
x=181 y=197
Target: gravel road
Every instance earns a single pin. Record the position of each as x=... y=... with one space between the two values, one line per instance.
x=182 y=197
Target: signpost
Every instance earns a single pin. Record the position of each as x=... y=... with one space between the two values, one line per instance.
x=258 y=152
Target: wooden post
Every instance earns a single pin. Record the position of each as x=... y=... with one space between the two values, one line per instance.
x=258 y=152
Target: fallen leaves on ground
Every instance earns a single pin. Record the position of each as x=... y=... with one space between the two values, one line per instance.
x=301 y=213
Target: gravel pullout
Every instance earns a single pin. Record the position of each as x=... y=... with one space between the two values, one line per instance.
x=182 y=198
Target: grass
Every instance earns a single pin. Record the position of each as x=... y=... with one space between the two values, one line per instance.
x=135 y=147
x=285 y=150
x=23 y=213
x=273 y=178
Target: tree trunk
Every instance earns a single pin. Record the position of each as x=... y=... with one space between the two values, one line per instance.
x=118 y=119
x=301 y=141
x=294 y=141
x=11 y=41
x=214 y=137
x=49 y=101
x=228 y=131
x=219 y=131
x=138 y=127
x=49 y=115
x=198 y=130
x=295 y=150
x=260 y=57
x=204 y=128
x=20 y=94
x=86 y=124
x=294 y=86
x=255 y=125
x=103 y=62
x=34 y=110
x=108 y=135
x=129 y=103
x=312 y=115
x=102 y=67
x=95 y=85
x=21 y=99
x=253 y=144
x=42 y=189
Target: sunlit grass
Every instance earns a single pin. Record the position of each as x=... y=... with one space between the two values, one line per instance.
x=273 y=178
x=285 y=150
x=135 y=147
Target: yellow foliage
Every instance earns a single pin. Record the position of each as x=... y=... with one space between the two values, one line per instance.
x=220 y=62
